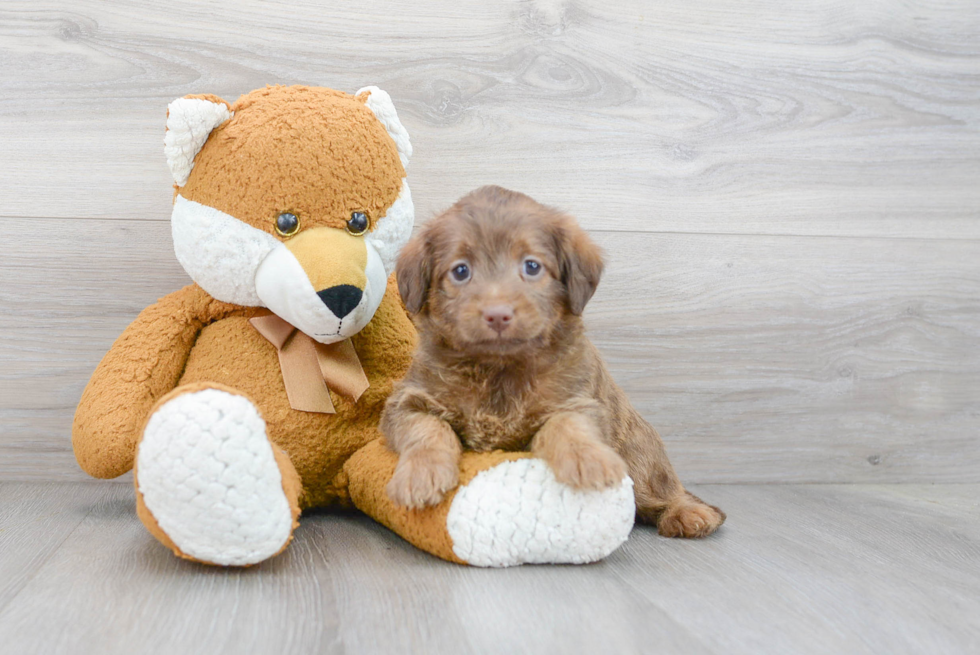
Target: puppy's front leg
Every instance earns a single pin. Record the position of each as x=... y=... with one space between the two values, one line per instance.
x=428 y=462
x=571 y=443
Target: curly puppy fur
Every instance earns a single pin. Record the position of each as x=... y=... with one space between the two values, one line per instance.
x=496 y=286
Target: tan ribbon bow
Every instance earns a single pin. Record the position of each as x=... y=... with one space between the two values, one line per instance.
x=309 y=367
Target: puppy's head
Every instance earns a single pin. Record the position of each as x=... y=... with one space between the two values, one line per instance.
x=498 y=273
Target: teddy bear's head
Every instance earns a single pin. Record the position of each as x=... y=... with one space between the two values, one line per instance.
x=293 y=198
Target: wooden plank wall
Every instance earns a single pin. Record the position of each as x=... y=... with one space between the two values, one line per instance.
x=788 y=195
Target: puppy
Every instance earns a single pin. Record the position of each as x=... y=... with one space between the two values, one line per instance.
x=496 y=286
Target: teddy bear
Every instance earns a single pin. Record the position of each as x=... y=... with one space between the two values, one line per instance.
x=256 y=391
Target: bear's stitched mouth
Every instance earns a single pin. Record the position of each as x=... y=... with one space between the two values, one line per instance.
x=340 y=326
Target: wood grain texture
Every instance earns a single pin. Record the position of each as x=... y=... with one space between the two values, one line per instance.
x=754 y=117
x=35 y=520
x=801 y=569
x=759 y=358
x=845 y=569
x=787 y=195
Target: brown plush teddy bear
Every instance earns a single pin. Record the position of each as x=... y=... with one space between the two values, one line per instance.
x=256 y=391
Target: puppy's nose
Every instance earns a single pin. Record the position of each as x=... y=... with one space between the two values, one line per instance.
x=341 y=299
x=499 y=317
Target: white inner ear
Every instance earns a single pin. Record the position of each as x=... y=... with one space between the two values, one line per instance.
x=393 y=231
x=189 y=122
x=220 y=252
x=380 y=103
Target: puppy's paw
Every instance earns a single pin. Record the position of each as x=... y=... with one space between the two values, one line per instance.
x=422 y=478
x=586 y=465
x=689 y=518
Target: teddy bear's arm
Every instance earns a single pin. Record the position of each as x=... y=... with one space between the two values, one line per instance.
x=143 y=364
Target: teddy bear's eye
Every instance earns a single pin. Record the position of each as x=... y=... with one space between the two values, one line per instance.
x=358 y=224
x=287 y=224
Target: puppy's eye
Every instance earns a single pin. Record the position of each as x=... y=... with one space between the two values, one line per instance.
x=287 y=224
x=532 y=267
x=460 y=272
x=358 y=224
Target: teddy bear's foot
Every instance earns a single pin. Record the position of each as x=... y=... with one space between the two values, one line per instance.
x=518 y=513
x=209 y=483
x=507 y=510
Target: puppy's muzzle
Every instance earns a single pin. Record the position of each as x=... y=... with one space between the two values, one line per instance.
x=498 y=317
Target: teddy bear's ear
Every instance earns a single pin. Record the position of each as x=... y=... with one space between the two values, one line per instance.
x=379 y=102
x=189 y=122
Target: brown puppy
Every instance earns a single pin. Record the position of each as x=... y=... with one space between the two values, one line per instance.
x=497 y=285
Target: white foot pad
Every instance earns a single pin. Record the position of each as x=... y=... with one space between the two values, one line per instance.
x=207 y=473
x=518 y=513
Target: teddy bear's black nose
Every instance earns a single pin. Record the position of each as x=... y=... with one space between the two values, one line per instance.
x=341 y=299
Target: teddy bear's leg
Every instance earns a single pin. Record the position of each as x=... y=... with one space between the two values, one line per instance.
x=508 y=509
x=209 y=483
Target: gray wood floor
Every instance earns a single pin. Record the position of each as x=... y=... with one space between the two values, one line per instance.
x=797 y=569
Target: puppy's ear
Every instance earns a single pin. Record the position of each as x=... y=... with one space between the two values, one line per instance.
x=579 y=261
x=414 y=273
